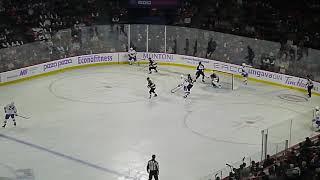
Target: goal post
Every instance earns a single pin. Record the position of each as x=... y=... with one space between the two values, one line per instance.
x=228 y=81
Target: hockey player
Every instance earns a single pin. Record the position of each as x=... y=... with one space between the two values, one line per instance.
x=152 y=65
x=132 y=55
x=11 y=111
x=200 y=71
x=180 y=85
x=182 y=81
x=244 y=73
x=215 y=80
x=316 y=120
x=188 y=85
x=152 y=87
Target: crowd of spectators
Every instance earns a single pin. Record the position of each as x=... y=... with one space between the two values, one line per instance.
x=264 y=19
x=31 y=20
x=299 y=162
x=186 y=12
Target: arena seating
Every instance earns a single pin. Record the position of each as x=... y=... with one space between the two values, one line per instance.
x=30 y=20
x=301 y=161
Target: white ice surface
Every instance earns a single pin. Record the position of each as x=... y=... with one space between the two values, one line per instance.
x=98 y=123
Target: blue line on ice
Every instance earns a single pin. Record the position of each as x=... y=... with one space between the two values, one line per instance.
x=64 y=156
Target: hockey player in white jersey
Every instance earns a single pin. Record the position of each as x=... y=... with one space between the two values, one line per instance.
x=244 y=72
x=180 y=85
x=188 y=85
x=316 y=120
x=184 y=83
x=215 y=80
x=132 y=55
x=10 y=111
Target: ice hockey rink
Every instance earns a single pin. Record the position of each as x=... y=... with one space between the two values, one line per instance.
x=98 y=123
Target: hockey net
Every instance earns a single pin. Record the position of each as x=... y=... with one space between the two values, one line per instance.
x=228 y=81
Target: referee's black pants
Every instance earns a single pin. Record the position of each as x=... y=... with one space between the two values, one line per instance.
x=309 y=90
x=154 y=174
x=198 y=73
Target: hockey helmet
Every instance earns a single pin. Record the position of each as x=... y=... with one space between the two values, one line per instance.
x=317 y=108
x=243 y=64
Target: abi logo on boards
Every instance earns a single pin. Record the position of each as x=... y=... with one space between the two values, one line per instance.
x=23 y=72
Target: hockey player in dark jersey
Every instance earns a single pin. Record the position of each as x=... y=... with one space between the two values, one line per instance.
x=152 y=87
x=215 y=80
x=188 y=86
x=152 y=66
x=200 y=71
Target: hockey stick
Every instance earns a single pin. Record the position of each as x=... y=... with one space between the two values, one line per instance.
x=215 y=176
x=176 y=89
x=142 y=67
x=23 y=117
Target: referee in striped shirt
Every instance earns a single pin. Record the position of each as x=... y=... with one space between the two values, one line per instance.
x=309 y=85
x=153 y=168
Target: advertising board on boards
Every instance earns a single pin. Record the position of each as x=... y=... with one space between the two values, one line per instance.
x=161 y=57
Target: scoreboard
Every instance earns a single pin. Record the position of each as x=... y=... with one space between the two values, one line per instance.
x=154 y=3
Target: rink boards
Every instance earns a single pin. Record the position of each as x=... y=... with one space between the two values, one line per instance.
x=162 y=58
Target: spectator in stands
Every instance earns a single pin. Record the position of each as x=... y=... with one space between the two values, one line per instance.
x=212 y=45
x=268 y=161
x=186 y=49
x=174 y=49
x=267 y=61
x=293 y=172
x=250 y=55
x=308 y=142
x=195 y=48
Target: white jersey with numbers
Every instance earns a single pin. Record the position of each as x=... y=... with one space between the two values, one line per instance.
x=185 y=82
x=10 y=109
